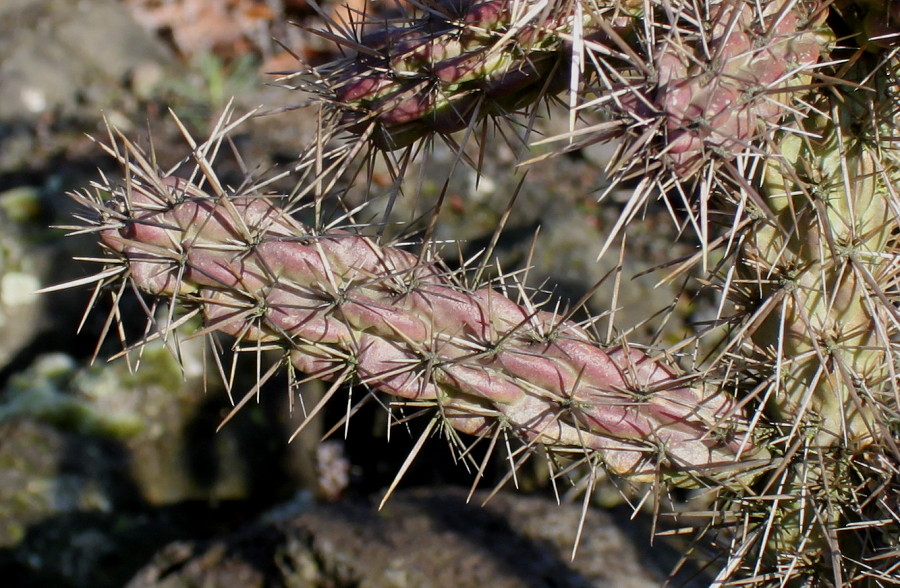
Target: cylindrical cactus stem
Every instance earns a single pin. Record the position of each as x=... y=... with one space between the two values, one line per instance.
x=445 y=72
x=824 y=264
x=819 y=274
x=713 y=89
x=341 y=303
x=720 y=85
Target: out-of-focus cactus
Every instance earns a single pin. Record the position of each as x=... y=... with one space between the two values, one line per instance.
x=453 y=68
x=876 y=23
x=754 y=115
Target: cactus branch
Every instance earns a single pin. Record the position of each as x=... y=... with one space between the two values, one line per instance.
x=343 y=307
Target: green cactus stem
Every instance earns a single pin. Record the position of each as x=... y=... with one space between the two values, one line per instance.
x=819 y=278
x=827 y=263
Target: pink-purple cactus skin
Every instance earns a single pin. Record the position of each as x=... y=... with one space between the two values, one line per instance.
x=770 y=139
x=722 y=104
x=447 y=75
x=440 y=75
x=340 y=300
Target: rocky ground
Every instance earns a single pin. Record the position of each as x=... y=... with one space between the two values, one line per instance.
x=110 y=475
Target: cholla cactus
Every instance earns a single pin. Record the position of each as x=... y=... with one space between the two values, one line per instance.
x=748 y=114
x=348 y=310
x=820 y=279
x=447 y=70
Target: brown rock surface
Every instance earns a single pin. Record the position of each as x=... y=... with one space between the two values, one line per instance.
x=421 y=538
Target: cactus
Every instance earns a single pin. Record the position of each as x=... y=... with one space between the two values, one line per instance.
x=772 y=131
x=445 y=71
x=823 y=270
x=348 y=310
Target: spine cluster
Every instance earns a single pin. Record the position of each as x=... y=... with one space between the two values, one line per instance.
x=701 y=93
x=725 y=88
x=825 y=260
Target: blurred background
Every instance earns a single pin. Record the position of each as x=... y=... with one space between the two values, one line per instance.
x=113 y=476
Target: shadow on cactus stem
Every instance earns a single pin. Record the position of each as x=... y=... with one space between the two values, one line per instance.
x=767 y=129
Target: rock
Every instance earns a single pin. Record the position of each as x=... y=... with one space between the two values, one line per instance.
x=60 y=60
x=51 y=51
x=157 y=415
x=421 y=538
x=95 y=462
x=52 y=483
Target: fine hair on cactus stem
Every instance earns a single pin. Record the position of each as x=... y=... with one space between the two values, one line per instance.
x=767 y=130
